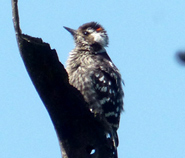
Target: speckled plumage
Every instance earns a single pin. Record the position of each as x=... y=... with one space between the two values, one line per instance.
x=92 y=72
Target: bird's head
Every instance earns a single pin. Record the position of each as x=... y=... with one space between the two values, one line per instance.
x=91 y=34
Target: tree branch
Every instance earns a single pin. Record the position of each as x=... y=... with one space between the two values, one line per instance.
x=181 y=57
x=79 y=131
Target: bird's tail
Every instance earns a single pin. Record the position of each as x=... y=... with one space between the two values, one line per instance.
x=115 y=142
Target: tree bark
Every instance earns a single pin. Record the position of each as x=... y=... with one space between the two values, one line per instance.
x=79 y=132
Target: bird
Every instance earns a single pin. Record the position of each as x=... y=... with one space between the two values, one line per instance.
x=92 y=72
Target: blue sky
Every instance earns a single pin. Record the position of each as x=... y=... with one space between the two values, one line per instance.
x=144 y=37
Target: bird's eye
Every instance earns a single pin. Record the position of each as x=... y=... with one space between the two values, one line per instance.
x=86 y=33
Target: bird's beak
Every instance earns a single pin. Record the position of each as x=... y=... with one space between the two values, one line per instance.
x=73 y=32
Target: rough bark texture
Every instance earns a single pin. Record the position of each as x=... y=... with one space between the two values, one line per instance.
x=78 y=130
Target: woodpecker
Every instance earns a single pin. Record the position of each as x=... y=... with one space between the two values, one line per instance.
x=93 y=73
